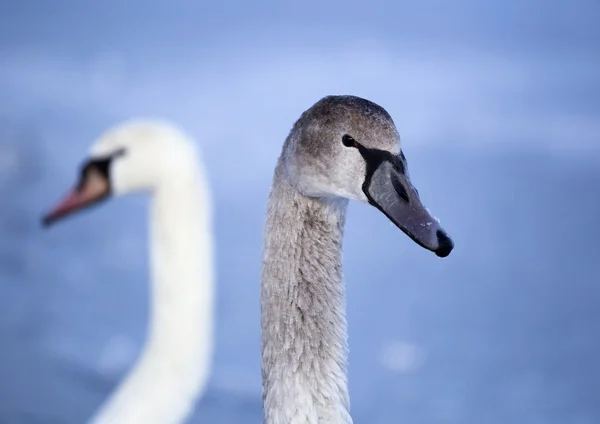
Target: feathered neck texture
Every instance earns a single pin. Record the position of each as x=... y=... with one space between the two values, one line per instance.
x=304 y=338
x=174 y=365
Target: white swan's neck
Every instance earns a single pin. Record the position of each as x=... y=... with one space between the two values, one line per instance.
x=304 y=340
x=174 y=365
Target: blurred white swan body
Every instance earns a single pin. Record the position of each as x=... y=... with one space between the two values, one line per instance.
x=174 y=365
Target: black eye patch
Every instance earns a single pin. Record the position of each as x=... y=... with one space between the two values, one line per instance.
x=101 y=164
x=374 y=157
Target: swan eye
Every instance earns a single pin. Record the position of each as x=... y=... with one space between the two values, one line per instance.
x=348 y=141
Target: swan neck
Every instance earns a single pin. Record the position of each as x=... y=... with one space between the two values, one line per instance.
x=181 y=262
x=304 y=337
x=174 y=364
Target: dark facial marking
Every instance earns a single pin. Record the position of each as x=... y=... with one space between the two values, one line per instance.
x=101 y=164
x=373 y=158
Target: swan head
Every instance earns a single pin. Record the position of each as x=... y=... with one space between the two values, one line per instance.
x=348 y=147
x=133 y=156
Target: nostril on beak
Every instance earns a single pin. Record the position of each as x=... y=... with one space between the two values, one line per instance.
x=445 y=244
x=400 y=190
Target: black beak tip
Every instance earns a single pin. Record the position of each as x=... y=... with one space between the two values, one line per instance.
x=46 y=221
x=445 y=244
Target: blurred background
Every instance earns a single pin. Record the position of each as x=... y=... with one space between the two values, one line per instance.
x=498 y=104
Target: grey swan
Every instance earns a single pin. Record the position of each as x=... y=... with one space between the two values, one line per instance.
x=343 y=147
x=158 y=158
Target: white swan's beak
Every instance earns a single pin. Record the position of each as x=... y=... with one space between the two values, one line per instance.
x=391 y=191
x=92 y=188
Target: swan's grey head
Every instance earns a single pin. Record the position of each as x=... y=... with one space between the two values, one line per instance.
x=133 y=156
x=349 y=147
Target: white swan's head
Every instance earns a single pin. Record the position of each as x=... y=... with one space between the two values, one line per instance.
x=137 y=155
x=349 y=147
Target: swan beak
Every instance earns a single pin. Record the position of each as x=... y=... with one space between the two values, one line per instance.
x=92 y=189
x=391 y=191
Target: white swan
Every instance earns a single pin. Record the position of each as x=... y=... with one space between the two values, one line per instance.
x=343 y=147
x=175 y=362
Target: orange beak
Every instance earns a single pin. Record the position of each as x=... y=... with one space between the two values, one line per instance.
x=92 y=189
